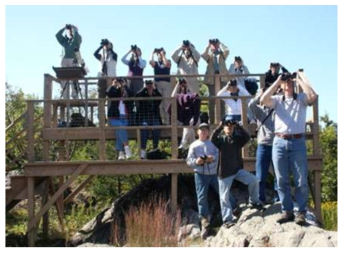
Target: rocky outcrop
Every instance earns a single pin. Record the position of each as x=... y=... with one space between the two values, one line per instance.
x=253 y=228
x=256 y=229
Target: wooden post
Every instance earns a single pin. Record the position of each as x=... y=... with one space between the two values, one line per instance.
x=102 y=140
x=262 y=81
x=218 y=116
x=174 y=143
x=45 y=218
x=47 y=113
x=244 y=118
x=138 y=139
x=315 y=130
x=317 y=201
x=30 y=132
x=174 y=184
x=31 y=211
x=85 y=102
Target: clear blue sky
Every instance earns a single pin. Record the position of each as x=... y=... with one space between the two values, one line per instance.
x=296 y=36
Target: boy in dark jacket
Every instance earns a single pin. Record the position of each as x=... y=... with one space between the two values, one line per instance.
x=230 y=144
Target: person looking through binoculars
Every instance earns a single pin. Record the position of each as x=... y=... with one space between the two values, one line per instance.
x=187 y=58
x=71 y=42
x=136 y=66
x=108 y=60
x=215 y=55
x=162 y=67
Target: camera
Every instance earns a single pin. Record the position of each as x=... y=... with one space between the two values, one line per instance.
x=182 y=81
x=204 y=158
x=158 y=50
x=104 y=42
x=68 y=26
x=186 y=43
x=134 y=47
x=214 y=41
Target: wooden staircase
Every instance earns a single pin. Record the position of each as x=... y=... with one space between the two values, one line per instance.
x=16 y=154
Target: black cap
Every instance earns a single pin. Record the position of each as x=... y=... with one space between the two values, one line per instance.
x=204 y=125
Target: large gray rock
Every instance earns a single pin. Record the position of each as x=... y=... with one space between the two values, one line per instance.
x=254 y=229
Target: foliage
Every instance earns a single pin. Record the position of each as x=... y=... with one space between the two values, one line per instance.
x=328 y=142
x=329 y=214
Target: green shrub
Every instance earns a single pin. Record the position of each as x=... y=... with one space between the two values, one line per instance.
x=329 y=214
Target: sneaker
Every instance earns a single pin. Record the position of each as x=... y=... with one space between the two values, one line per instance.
x=143 y=154
x=127 y=152
x=300 y=219
x=286 y=217
x=121 y=155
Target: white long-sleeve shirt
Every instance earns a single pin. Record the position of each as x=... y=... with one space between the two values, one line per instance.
x=233 y=107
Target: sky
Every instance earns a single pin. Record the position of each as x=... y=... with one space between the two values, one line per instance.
x=296 y=36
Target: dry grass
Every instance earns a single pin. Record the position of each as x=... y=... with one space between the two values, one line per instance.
x=151 y=225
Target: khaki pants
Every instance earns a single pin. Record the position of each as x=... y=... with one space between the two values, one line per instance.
x=165 y=89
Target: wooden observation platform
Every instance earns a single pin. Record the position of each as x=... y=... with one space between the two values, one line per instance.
x=37 y=179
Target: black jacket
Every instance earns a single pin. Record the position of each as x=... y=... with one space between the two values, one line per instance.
x=230 y=150
x=113 y=92
x=148 y=109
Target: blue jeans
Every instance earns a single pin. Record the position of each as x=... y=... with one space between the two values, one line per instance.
x=224 y=191
x=291 y=156
x=202 y=185
x=155 y=132
x=121 y=134
x=263 y=161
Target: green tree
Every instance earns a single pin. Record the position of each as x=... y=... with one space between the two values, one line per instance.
x=328 y=142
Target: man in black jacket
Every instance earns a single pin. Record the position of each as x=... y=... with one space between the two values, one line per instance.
x=149 y=115
x=230 y=145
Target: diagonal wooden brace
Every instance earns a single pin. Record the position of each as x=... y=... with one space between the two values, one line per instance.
x=56 y=195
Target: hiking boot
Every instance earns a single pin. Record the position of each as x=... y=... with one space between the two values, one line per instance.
x=257 y=206
x=204 y=233
x=143 y=154
x=121 y=155
x=286 y=217
x=300 y=219
x=228 y=224
x=127 y=152
x=237 y=211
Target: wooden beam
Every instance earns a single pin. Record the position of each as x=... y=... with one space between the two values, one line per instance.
x=78 y=189
x=31 y=211
x=56 y=195
x=174 y=192
x=316 y=147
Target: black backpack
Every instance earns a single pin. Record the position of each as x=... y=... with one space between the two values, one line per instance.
x=156 y=154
